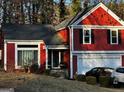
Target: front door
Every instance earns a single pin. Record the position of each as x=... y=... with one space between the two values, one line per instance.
x=55 y=57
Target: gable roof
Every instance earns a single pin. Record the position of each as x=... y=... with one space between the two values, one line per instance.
x=71 y=20
x=96 y=7
x=80 y=14
x=63 y=24
x=87 y=11
x=32 y=32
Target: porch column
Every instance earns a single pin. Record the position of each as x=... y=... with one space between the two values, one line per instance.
x=59 y=57
x=51 y=58
x=46 y=57
x=5 y=56
x=71 y=49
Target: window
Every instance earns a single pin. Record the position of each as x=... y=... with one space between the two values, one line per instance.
x=27 y=57
x=120 y=70
x=87 y=36
x=94 y=70
x=114 y=36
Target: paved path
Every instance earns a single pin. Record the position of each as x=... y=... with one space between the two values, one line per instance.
x=48 y=83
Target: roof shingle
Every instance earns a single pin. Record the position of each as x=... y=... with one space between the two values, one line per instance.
x=32 y=32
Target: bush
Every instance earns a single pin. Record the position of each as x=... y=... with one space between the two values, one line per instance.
x=62 y=65
x=55 y=74
x=66 y=74
x=91 y=80
x=104 y=81
x=1 y=66
x=34 y=68
x=47 y=72
x=80 y=77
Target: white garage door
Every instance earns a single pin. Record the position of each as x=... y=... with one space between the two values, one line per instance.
x=88 y=61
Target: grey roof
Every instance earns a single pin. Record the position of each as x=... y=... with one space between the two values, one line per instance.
x=80 y=14
x=32 y=32
x=63 y=23
x=71 y=20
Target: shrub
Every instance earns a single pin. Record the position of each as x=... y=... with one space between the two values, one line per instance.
x=47 y=72
x=80 y=77
x=91 y=80
x=34 y=68
x=66 y=74
x=55 y=74
x=104 y=81
x=62 y=65
x=1 y=66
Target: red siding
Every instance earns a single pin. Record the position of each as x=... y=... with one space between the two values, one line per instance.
x=100 y=42
x=67 y=59
x=100 y=17
x=74 y=65
x=64 y=35
x=10 y=56
x=42 y=57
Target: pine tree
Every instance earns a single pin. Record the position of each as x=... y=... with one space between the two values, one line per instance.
x=62 y=9
x=117 y=8
x=76 y=6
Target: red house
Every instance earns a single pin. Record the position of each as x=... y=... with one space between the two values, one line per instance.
x=96 y=39
x=29 y=44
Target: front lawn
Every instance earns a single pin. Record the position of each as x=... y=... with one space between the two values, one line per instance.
x=32 y=82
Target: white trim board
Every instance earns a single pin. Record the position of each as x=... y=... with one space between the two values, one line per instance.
x=57 y=46
x=97 y=27
x=5 y=56
x=1 y=54
x=120 y=52
x=39 y=54
x=27 y=49
x=71 y=49
x=23 y=41
x=16 y=57
x=46 y=57
x=105 y=8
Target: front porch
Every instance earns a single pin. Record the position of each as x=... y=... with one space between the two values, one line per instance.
x=55 y=56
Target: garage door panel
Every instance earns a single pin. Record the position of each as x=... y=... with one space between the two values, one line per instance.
x=85 y=63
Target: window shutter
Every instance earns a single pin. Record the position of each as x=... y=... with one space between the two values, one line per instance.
x=119 y=36
x=92 y=37
x=108 y=36
x=81 y=36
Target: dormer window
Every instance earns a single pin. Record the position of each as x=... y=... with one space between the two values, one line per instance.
x=114 y=36
x=86 y=36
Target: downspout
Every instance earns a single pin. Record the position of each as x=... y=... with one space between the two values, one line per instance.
x=71 y=60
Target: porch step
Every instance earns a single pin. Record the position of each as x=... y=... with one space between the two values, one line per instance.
x=58 y=73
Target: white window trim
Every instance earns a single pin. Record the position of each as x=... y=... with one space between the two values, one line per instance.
x=116 y=37
x=89 y=36
x=5 y=56
x=17 y=49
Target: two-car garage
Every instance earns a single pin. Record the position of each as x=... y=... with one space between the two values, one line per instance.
x=87 y=61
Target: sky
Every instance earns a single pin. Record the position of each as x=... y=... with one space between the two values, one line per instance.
x=68 y=1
